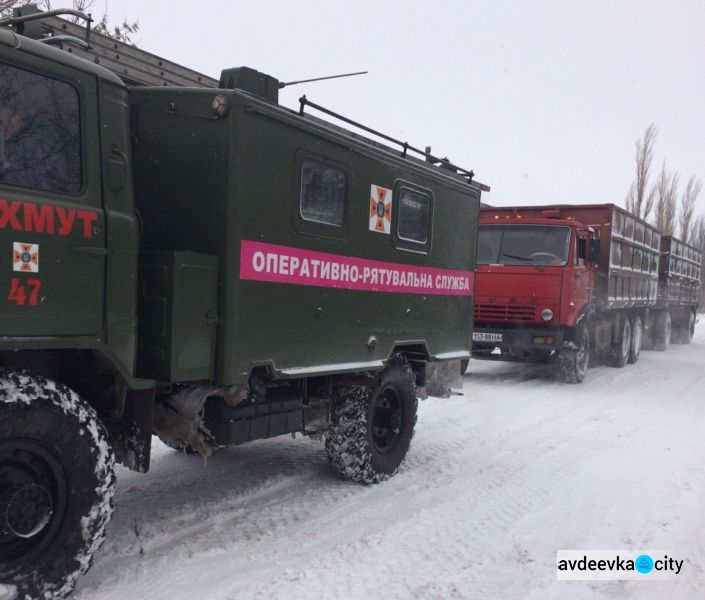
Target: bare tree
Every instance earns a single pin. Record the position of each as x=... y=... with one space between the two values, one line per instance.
x=687 y=208
x=665 y=194
x=638 y=201
x=123 y=32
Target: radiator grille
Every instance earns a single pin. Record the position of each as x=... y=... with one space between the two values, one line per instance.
x=504 y=312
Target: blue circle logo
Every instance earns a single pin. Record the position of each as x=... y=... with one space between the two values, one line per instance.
x=644 y=563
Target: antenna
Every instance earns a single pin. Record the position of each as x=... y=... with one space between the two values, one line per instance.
x=282 y=84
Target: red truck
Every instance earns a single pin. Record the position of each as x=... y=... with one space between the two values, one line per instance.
x=578 y=284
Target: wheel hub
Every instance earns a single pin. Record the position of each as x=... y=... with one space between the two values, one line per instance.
x=387 y=418
x=25 y=510
x=33 y=499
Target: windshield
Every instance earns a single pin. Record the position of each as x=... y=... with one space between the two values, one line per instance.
x=537 y=245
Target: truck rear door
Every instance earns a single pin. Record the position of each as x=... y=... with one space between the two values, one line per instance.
x=52 y=233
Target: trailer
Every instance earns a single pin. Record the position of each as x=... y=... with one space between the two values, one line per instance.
x=572 y=284
x=190 y=258
x=680 y=279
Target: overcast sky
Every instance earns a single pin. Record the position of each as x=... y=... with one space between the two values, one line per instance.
x=544 y=100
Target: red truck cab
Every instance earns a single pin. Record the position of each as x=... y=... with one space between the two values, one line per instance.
x=534 y=278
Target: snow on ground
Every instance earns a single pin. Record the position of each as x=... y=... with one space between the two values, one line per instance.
x=496 y=481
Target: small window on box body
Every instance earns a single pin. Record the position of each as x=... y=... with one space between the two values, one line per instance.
x=414 y=208
x=322 y=198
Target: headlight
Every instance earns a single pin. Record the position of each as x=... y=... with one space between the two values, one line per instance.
x=546 y=314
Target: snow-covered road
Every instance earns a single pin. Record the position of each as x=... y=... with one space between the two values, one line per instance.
x=496 y=481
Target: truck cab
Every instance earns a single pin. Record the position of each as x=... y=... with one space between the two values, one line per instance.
x=534 y=278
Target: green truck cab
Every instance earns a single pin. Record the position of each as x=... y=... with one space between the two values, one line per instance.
x=204 y=264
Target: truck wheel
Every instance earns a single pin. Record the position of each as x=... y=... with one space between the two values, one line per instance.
x=573 y=363
x=636 y=341
x=371 y=428
x=686 y=330
x=690 y=331
x=464 y=365
x=618 y=354
x=662 y=331
x=56 y=486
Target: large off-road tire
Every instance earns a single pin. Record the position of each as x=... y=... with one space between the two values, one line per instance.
x=636 y=341
x=662 y=331
x=573 y=363
x=683 y=334
x=618 y=353
x=371 y=428
x=56 y=486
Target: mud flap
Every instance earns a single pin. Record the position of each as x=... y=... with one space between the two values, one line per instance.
x=131 y=437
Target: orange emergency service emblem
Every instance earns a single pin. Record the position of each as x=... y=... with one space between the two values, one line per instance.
x=380 y=209
x=25 y=257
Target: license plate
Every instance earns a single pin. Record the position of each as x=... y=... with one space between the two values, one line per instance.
x=478 y=336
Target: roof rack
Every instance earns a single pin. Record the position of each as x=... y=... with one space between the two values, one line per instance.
x=134 y=66
x=442 y=163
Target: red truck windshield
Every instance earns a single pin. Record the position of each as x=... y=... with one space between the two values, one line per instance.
x=538 y=245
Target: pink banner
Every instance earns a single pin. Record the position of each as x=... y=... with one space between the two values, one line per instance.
x=283 y=264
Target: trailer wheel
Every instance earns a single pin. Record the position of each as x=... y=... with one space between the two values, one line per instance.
x=662 y=331
x=464 y=363
x=690 y=332
x=573 y=363
x=685 y=331
x=56 y=486
x=636 y=341
x=618 y=353
x=371 y=428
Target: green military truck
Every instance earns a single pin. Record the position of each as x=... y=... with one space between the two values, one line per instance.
x=192 y=259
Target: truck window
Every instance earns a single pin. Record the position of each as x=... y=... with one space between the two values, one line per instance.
x=412 y=225
x=580 y=251
x=322 y=198
x=488 y=241
x=536 y=245
x=39 y=132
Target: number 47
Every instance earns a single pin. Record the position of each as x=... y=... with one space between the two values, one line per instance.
x=19 y=295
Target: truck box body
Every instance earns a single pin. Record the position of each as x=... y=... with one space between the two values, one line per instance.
x=230 y=187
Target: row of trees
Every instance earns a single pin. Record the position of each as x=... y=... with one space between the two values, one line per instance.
x=661 y=203
x=123 y=32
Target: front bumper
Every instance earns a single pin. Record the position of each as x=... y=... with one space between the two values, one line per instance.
x=517 y=340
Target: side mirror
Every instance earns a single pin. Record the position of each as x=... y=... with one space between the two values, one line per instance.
x=594 y=250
